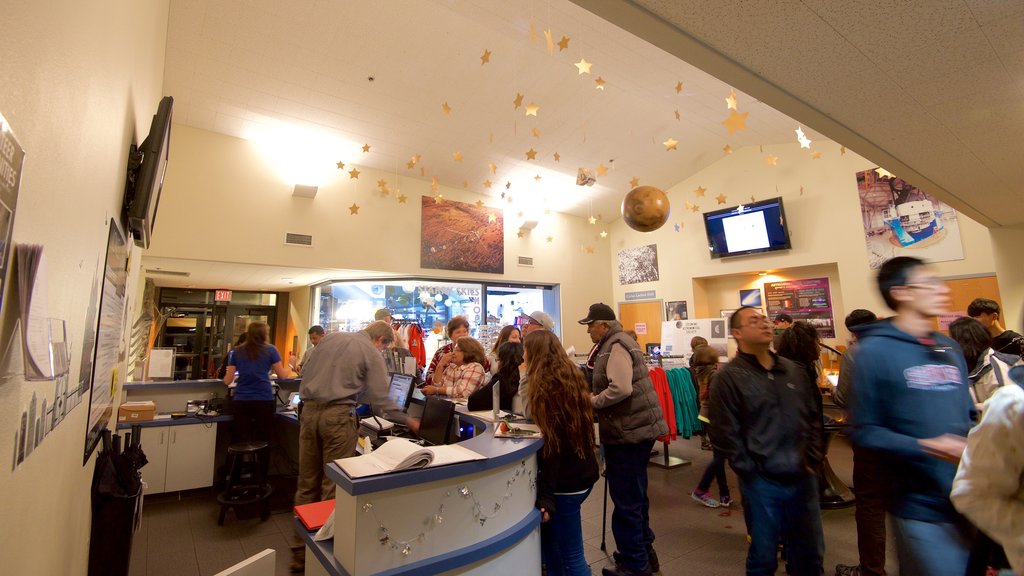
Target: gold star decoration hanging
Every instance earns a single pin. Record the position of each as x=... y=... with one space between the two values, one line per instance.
x=509 y=199
x=457 y=156
x=550 y=239
x=602 y=169
x=604 y=234
x=634 y=182
x=366 y=148
x=340 y=165
x=517 y=101
x=700 y=191
x=402 y=198
x=537 y=178
x=802 y=138
x=720 y=198
x=492 y=168
x=801 y=190
x=446 y=108
x=816 y=155
x=479 y=203
x=563 y=44
x=520 y=214
x=599 y=83
x=883 y=173
x=353 y=209
x=531 y=154
x=520 y=233
x=678 y=227
x=508 y=185
x=536 y=132
x=670 y=144
x=485 y=58
x=583 y=66
x=678 y=115
x=465 y=184
x=410 y=164
x=695 y=208
x=557 y=156
x=679 y=86
x=438 y=199
x=592 y=220
x=771 y=160
x=491 y=218
x=549 y=42
x=531 y=109
x=547 y=211
x=487 y=183
x=730 y=101
x=727 y=149
x=589 y=249
x=842 y=150
x=736 y=121
x=353 y=174
x=382 y=183
x=752 y=200
x=689 y=206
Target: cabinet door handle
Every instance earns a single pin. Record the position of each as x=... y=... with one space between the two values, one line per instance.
x=174 y=437
x=161 y=437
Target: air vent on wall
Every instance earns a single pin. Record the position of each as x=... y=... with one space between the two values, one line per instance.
x=526 y=261
x=298 y=239
x=158 y=272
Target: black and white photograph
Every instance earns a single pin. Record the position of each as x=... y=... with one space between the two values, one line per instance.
x=638 y=264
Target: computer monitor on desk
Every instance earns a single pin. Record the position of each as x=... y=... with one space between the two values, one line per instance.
x=436 y=423
x=401 y=390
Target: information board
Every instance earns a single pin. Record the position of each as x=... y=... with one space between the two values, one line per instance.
x=809 y=299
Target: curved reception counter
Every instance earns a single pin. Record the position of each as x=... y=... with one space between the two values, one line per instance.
x=472 y=517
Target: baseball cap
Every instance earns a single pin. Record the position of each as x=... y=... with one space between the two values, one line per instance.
x=539 y=317
x=381 y=314
x=783 y=317
x=599 y=311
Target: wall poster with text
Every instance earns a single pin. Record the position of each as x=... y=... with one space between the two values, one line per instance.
x=809 y=299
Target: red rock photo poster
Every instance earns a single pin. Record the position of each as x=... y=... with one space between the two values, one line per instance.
x=460 y=236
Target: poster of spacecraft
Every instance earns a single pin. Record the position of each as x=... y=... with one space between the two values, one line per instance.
x=900 y=219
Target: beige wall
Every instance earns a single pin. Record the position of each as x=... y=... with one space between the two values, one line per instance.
x=81 y=82
x=224 y=202
x=823 y=212
x=1007 y=244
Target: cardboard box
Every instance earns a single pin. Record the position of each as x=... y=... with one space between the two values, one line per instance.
x=136 y=411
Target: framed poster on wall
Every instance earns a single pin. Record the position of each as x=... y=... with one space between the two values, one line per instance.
x=809 y=299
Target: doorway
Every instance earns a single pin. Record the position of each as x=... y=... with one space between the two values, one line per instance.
x=644 y=318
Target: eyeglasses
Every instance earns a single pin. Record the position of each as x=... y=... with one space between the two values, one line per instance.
x=926 y=284
x=757 y=321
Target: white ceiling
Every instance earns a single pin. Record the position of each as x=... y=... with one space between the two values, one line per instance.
x=931 y=90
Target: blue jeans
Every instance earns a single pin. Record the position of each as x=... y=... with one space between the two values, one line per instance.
x=626 y=473
x=931 y=548
x=789 y=513
x=561 y=538
x=715 y=471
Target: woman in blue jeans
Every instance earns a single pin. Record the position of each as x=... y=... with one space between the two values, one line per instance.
x=567 y=463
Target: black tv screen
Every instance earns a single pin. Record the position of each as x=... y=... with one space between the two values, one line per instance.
x=747 y=229
x=149 y=178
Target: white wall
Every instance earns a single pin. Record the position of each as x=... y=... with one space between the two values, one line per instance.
x=81 y=82
x=223 y=202
x=823 y=212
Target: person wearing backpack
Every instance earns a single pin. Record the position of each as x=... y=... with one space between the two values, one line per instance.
x=989 y=370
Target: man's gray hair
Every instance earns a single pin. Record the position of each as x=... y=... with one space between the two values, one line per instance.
x=380 y=329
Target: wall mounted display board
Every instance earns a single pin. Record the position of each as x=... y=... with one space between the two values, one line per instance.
x=676 y=335
x=461 y=236
x=902 y=220
x=12 y=156
x=751 y=297
x=109 y=358
x=808 y=299
x=675 y=310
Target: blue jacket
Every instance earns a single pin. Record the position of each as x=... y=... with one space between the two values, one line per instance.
x=905 y=390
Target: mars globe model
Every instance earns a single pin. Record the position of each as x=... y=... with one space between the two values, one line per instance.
x=645 y=208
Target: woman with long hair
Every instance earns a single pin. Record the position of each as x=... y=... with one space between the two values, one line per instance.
x=254 y=404
x=567 y=464
x=801 y=343
x=509 y=333
x=704 y=364
x=510 y=356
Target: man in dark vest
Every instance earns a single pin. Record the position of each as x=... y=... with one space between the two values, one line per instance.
x=629 y=420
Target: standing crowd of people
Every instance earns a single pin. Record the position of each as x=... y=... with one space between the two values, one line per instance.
x=935 y=423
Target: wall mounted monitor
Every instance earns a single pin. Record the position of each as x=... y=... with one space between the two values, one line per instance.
x=747 y=229
x=146 y=168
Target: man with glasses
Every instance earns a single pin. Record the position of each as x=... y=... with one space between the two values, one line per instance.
x=766 y=418
x=911 y=404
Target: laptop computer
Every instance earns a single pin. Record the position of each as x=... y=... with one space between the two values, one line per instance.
x=400 y=390
x=436 y=422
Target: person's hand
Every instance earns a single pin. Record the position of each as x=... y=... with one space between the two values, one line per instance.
x=413 y=424
x=948 y=447
x=445 y=359
x=544 y=516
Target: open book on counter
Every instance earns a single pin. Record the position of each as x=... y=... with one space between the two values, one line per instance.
x=399 y=454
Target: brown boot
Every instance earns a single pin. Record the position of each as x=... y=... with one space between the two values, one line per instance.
x=298 y=565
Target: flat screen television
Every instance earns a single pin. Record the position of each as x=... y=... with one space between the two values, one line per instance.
x=146 y=178
x=747 y=229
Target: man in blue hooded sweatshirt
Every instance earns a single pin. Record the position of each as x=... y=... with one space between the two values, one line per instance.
x=911 y=404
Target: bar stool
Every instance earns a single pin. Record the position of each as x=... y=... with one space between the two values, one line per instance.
x=246 y=457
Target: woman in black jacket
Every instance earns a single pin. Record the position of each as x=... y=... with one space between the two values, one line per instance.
x=510 y=356
x=560 y=405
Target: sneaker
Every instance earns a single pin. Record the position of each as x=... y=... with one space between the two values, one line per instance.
x=725 y=501
x=846 y=570
x=705 y=499
x=705 y=444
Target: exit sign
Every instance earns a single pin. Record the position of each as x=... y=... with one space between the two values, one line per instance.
x=222 y=296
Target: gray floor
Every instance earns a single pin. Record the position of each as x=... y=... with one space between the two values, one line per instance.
x=180 y=535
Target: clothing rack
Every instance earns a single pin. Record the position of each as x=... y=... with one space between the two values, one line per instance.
x=666 y=461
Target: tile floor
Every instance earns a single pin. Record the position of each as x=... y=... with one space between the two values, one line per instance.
x=180 y=535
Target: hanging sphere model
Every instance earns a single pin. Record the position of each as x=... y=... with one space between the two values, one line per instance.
x=645 y=208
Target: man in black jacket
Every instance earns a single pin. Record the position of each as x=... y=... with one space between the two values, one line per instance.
x=766 y=418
